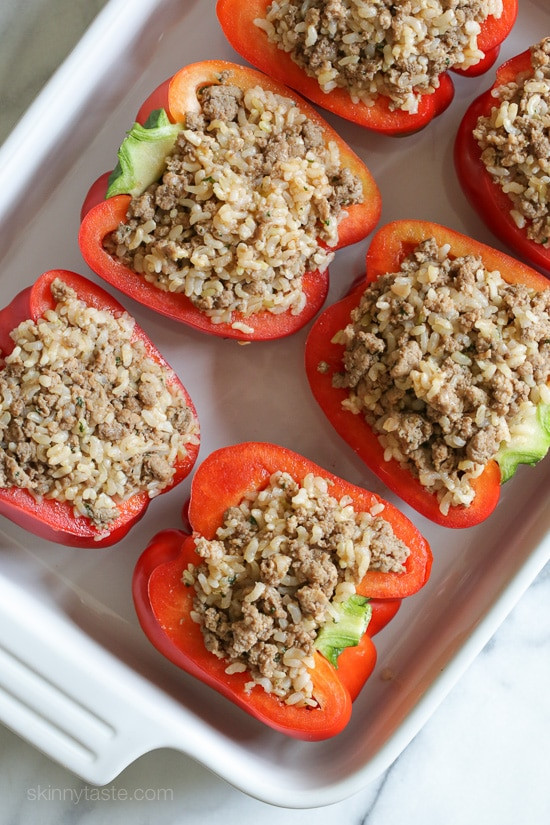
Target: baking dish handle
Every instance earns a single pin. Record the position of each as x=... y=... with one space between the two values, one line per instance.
x=62 y=692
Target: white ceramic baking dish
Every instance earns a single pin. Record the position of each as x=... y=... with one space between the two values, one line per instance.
x=77 y=677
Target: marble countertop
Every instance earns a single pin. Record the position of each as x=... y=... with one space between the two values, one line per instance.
x=482 y=757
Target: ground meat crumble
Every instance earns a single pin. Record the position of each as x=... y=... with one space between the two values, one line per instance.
x=394 y=48
x=445 y=359
x=86 y=416
x=515 y=144
x=269 y=579
x=249 y=192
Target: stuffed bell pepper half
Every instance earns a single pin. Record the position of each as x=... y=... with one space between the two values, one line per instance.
x=502 y=155
x=229 y=199
x=436 y=369
x=275 y=596
x=93 y=421
x=382 y=64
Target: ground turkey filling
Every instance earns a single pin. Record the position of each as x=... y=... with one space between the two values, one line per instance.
x=395 y=48
x=446 y=361
x=249 y=191
x=515 y=144
x=85 y=415
x=269 y=580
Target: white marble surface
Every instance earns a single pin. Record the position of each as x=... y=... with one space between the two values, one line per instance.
x=483 y=756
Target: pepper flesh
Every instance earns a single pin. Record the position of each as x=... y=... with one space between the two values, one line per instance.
x=237 y=21
x=54 y=520
x=99 y=217
x=487 y=197
x=390 y=245
x=163 y=602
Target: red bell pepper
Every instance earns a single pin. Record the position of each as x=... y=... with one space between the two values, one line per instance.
x=48 y=518
x=390 y=245
x=177 y=96
x=487 y=197
x=237 y=21
x=163 y=602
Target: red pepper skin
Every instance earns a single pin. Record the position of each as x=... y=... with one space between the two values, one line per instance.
x=177 y=96
x=237 y=21
x=487 y=198
x=388 y=248
x=162 y=600
x=54 y=520
x=483 y=66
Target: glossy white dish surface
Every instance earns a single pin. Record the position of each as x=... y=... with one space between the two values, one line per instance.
x=79 y=679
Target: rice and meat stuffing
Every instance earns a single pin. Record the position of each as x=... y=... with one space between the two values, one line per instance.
x=394 y=48
x=515 y=144
x=270 y=579
x=86 y=416
x=249 y=202
x=446 y=361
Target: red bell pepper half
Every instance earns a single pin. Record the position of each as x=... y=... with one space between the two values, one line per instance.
x=237 y=21
x=390 y=245
x=54 y=520
x=178 y=95
x=487 y=197
x=163 y=602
